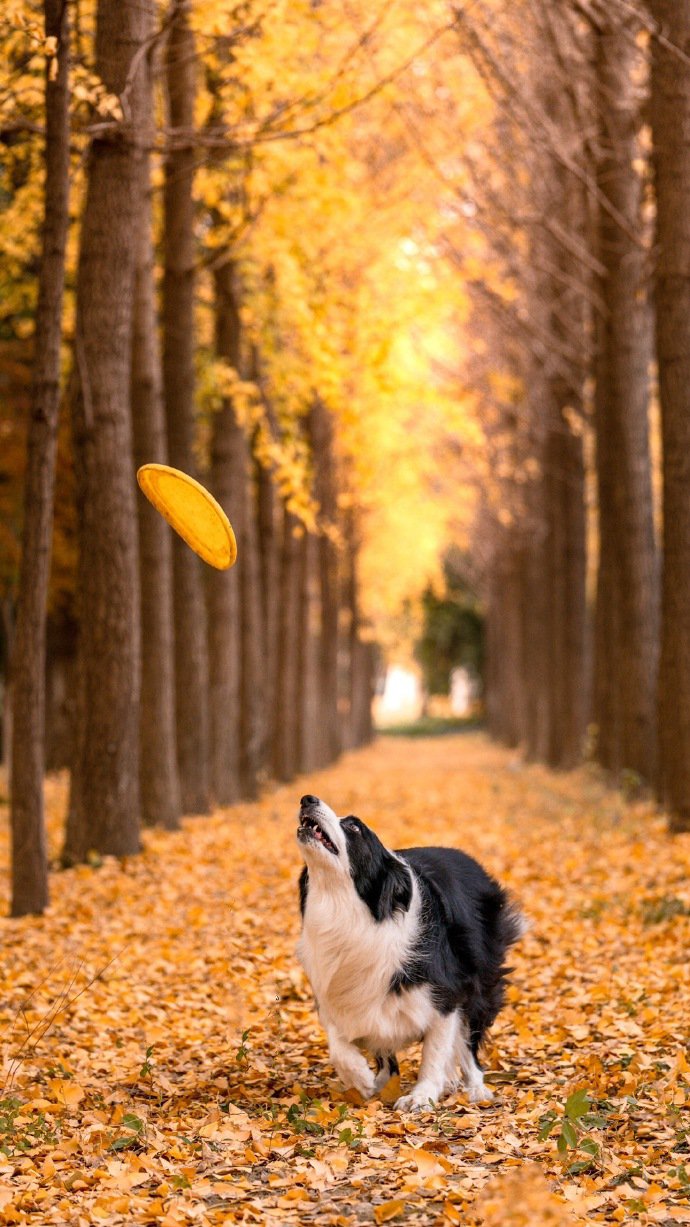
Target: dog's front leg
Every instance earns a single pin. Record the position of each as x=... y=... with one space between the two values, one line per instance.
x=437 y=1070
x=350 y=1066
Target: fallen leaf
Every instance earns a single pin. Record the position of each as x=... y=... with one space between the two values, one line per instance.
x=391 y=1091
x=64 y=1090
x=388 y=1210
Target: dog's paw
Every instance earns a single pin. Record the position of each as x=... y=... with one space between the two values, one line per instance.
x=415 y=1102
x=479 y=1092
x=359 y=1089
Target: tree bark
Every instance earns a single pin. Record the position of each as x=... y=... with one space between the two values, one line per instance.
x=627 y=641
x=309 y=739
x=161 y=801
x=29 y=860
x=267 y=537
x=670 y=114
x=235 y=596
x=286 y=721
x=577 y=677
x=535 y=598
x=322 y=444
x=359 y=728
x=7 y=613
x=565 y=582
x=105 y=806
x=191 y=654
x=507 y=684
x=559 y=303
x=61 y=640
x=223 y=587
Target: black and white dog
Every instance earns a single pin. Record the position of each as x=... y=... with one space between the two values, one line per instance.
x=398 y=947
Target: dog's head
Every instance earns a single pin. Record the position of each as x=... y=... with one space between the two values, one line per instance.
x=347 y=851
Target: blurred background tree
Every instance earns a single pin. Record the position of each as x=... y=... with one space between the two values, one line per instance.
x=452 y=634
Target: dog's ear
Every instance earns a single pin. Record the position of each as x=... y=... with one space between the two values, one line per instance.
x=396 y=890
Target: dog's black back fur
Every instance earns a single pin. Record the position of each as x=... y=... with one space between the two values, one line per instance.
x=468 y=925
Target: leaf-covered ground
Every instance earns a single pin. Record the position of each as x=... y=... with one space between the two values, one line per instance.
x=163 y=1063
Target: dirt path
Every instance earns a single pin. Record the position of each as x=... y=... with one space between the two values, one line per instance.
x=174 y=1072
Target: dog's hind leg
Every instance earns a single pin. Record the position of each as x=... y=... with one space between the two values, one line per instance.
x=386 y=1068
x=472 y=1075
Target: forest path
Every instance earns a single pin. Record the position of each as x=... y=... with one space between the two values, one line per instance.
x=142 y=1099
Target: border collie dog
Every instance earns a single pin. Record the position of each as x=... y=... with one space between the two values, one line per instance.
x=399 y=947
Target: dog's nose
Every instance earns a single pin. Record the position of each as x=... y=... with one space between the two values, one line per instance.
x=309 y=800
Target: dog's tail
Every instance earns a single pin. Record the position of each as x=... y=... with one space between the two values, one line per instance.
x=513 y=923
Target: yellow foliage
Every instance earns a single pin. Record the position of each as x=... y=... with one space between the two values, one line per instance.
x=330 y=168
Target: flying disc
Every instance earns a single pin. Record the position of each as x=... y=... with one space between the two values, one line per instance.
x=192 y=511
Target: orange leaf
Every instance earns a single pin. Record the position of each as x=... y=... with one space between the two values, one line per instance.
x=388 y=1210
x=353 y=1097
x=451 y=1212
x=427 y=1163
x=392 y=1090
x=65 y=1091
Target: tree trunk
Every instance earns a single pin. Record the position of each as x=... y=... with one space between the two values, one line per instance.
x=61 y=641
x=234 y=596
x=627 y=640
x=252 y=709
x=576 y=679
x=7 y=612
x=565 y=584
x=105 y=808
x=364 y=674
x=361 y=653
x=29 y=861
x=161 y=802
x=535 y=603
x=223 y=587
x=191 y=656
x=608 y=663
x=508 y=613
x=504 y=672
x=268 y=574
x=554 y=583
x=286 y=722
x=670 y=113
x=311 y=752
x=322 y=445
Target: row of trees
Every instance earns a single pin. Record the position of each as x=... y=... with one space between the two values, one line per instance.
x=189 y=687
x=333 y=263
x=583 y=540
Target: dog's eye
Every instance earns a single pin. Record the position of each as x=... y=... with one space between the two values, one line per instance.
x=351 y=825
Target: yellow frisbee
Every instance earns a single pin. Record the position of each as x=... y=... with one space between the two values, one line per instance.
x=192 y=511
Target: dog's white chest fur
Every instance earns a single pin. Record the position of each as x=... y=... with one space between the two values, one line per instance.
x=351 y=960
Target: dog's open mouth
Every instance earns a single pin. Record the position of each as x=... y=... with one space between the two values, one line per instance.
x=311 y=831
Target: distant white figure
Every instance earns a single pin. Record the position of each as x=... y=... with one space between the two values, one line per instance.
x=401 y=697
x=463 y=691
